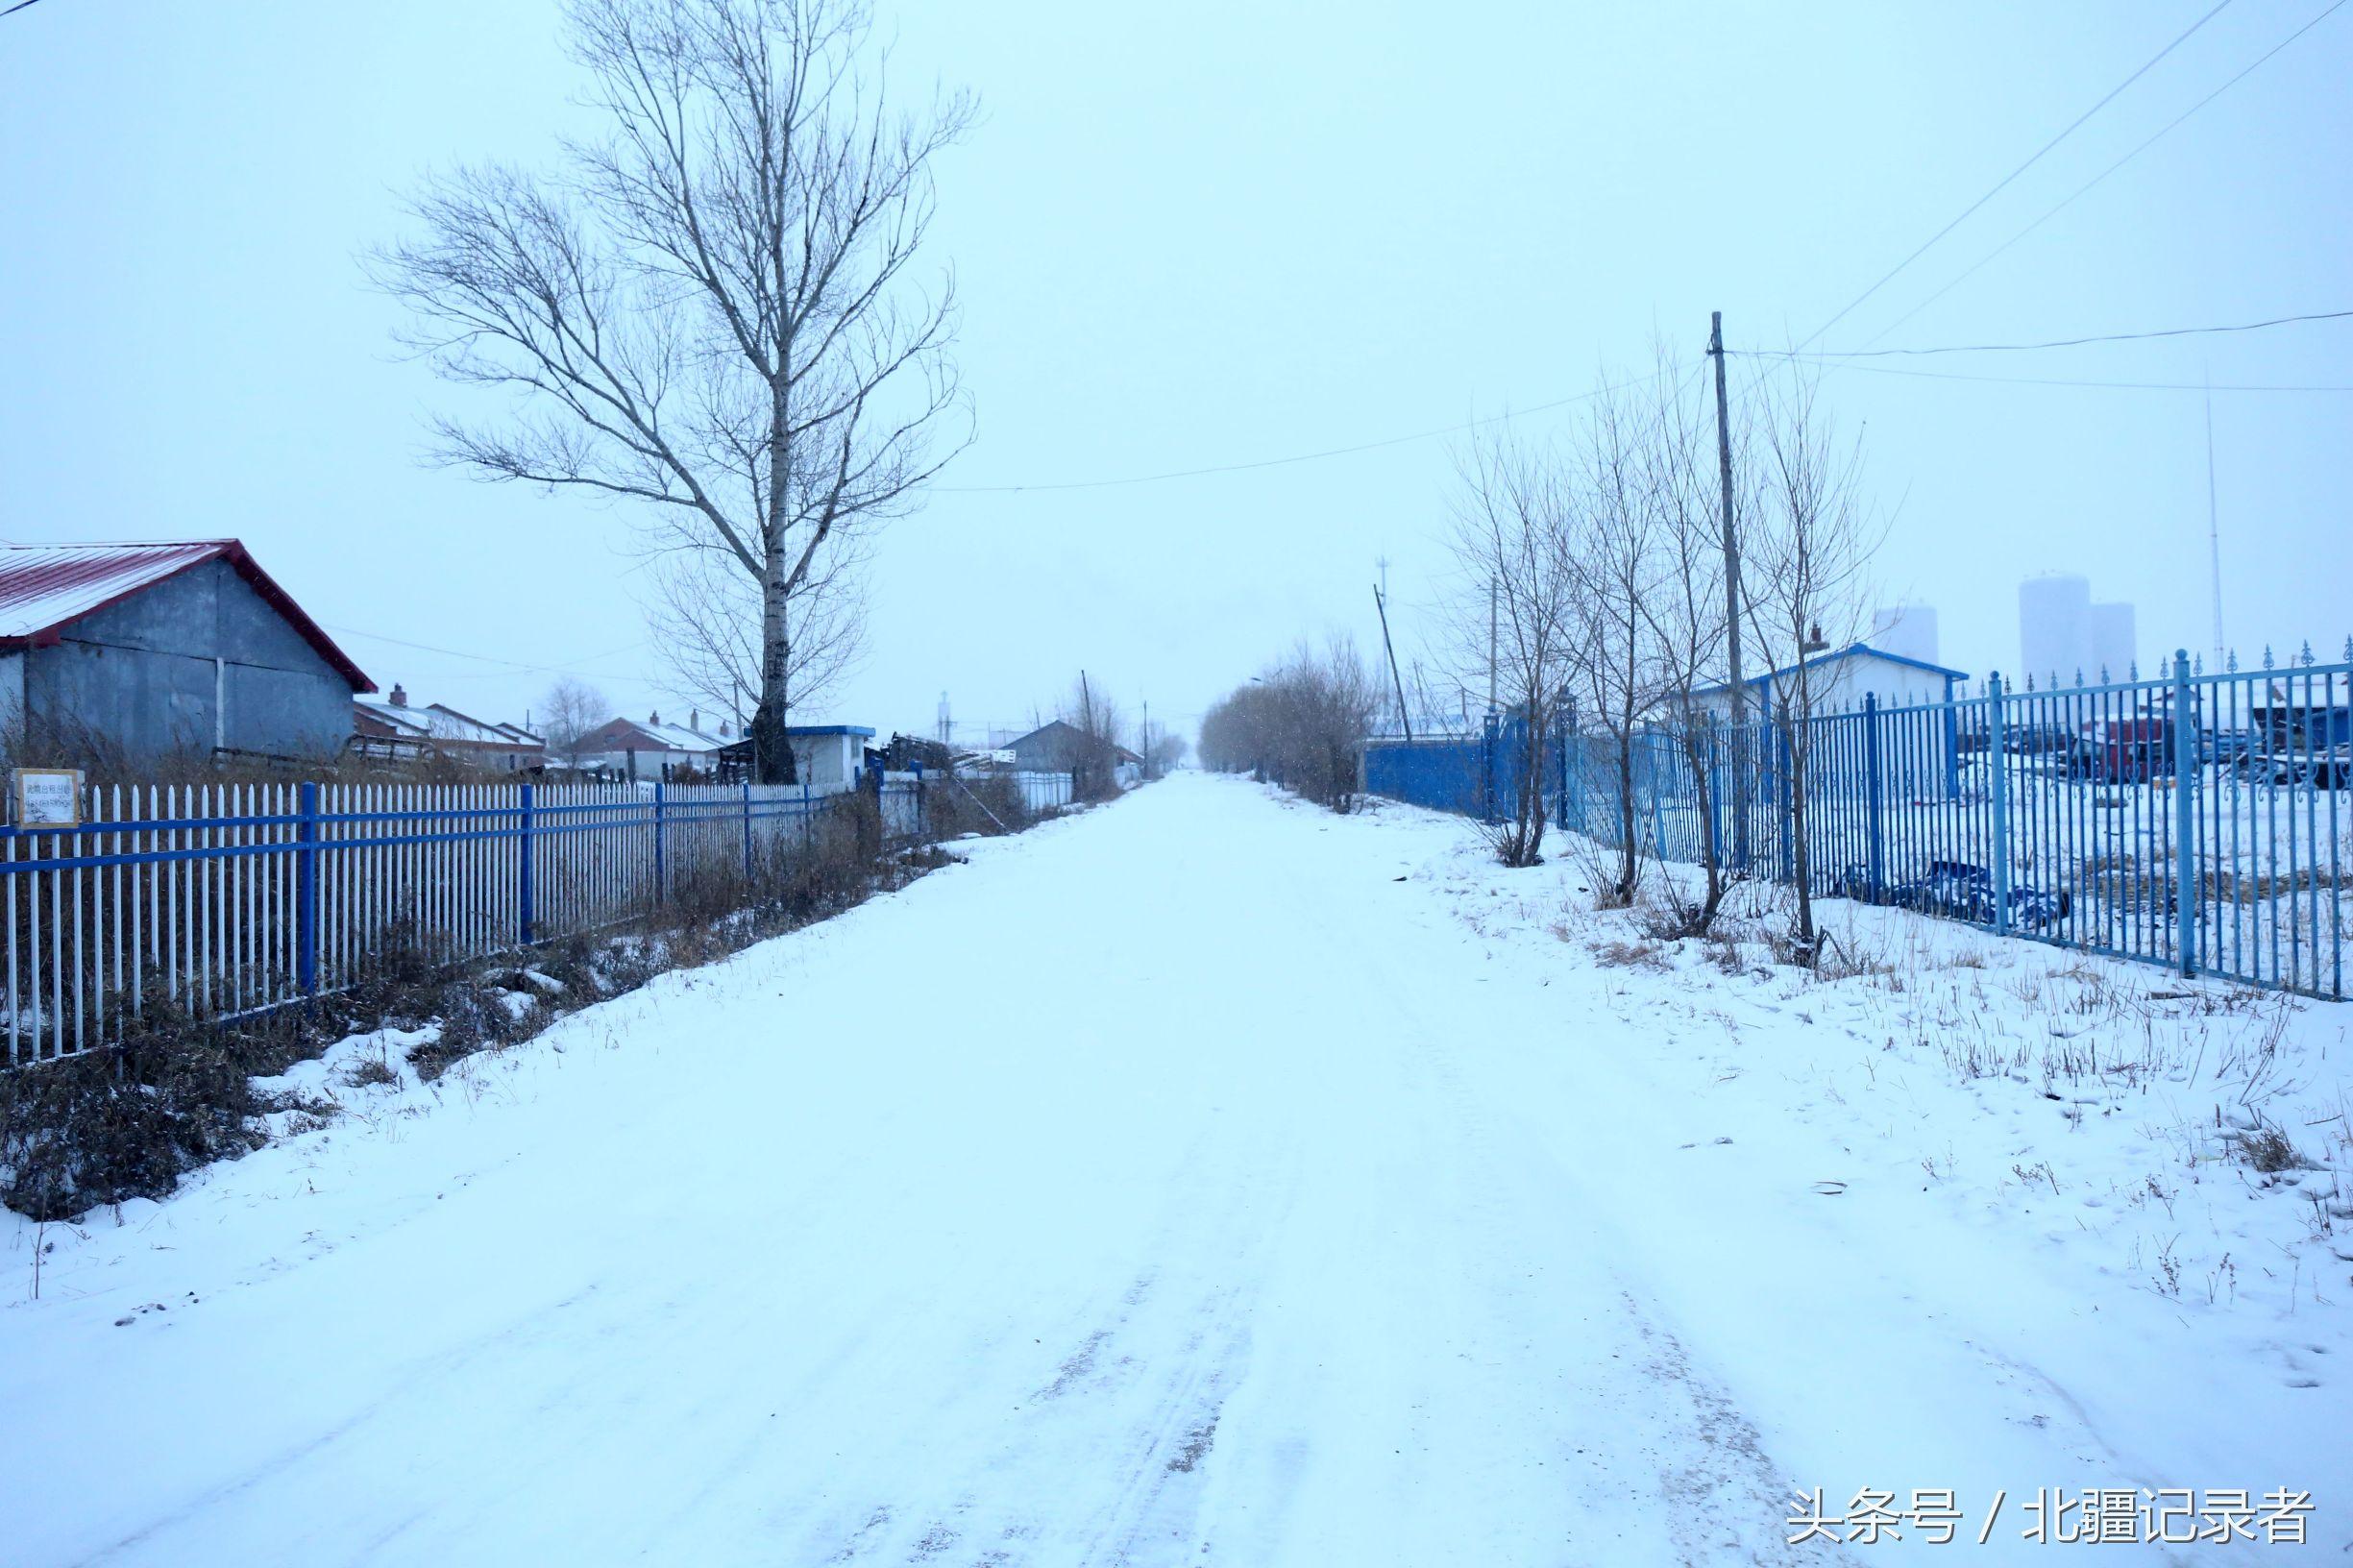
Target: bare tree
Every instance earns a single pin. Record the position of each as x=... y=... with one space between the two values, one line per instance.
x=1614 y=561
x=571 y=711
x=1094 y=753
x=1683 y=613
x=1811 y=545
x=711 y=310
x=1514 y=518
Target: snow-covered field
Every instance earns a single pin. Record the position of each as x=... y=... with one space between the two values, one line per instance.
x=1210 y=1178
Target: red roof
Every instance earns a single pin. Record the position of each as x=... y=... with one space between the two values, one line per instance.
x=46 y=588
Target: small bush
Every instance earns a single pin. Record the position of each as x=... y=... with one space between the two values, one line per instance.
x=371 y=1070
x=2267 y=1150
x=126 y=1123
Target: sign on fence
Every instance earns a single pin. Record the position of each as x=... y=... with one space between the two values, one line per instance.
x=47 y=798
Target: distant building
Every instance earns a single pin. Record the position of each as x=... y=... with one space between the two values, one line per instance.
x=648 y=749
x=160 y=648
x=1059 y=748
x=827 y=756
x=1921 y=749
x=1841 y=680
x=396 y=731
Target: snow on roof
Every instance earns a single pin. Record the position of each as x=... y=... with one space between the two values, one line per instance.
x=661 y=737
x=407 y=721
x=1853 y=650
x=450 y=724
x=680 y=738
x=45 y=588
x=442 y=722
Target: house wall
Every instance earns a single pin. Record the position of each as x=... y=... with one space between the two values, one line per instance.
x=826 y=759
x=1049 y=753
x=12 y=691
x=196 y=661
x=1843 y=683
x=1895 y=685
x=649 y=765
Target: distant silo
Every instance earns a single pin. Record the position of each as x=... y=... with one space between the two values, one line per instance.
x=2054 y=628
x=1906 y=631
x=2114 y=644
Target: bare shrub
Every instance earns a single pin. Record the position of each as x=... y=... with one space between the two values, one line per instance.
x=2267 y=1150
x=126 y=1123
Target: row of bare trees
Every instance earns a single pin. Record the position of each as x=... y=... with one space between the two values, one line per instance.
x=1301 y=724
x=1591 y=583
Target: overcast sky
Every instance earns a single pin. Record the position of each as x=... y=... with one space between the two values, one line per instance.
x=1217 y=234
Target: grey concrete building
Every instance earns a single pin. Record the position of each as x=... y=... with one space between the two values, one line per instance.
x=159 y=648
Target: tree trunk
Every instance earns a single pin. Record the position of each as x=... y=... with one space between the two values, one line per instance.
x=1628 y=850
x=771 y=748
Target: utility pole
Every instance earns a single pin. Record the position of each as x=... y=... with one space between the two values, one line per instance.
x=1491 y=643
x=1086 y=718
x=1147 y=737
x=1381 y=603
x=1735 y=693
x=1731 y=536
x=2213 y=530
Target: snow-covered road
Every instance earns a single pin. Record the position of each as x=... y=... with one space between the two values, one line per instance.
x=1178 y=1183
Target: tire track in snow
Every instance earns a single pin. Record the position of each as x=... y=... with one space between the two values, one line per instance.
x=1721 y=1492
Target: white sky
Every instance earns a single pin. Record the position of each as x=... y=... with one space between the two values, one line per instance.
x=1218 y=233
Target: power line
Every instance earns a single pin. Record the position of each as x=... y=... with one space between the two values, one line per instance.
x=2004 y=183
x=1298 y=457
x=572 y=668
x=2077 y=342
x=1972 y=270
x=17 y=7
x=2038 y=381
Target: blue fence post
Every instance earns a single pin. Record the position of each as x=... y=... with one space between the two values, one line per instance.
x=307 y=892
x=1486 y=769
x=747 y=830
x=2185 y=817
x=1953 y=744
x=523 y=871
x=1999 y=790
x=1784 y=806
x=1560 y=763
x=1873 y=792
x=1649 y=772
x=1742 y=772
x=661 y=843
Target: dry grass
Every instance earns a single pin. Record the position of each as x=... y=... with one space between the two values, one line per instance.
x=1642 y=954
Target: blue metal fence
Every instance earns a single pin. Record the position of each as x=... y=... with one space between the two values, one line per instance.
x=2202 y=820
x=232 y=898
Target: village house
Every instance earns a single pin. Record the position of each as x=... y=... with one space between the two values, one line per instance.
x=824 y=757
x=153 y=648
x=1840 y=681
x=1061 y=747
x=395 y=731
x=648 y=749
